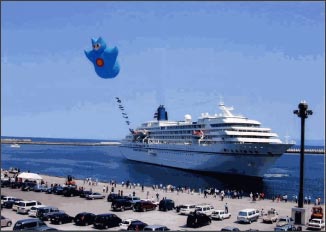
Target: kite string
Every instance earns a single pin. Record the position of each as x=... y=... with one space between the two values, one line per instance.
x=124 y=114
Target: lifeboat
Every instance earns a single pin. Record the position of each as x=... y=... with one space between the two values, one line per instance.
x=198 y=134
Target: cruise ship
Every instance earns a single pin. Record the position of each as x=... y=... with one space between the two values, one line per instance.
x=221 y=143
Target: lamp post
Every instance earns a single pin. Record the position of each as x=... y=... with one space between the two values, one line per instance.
x=302 y=113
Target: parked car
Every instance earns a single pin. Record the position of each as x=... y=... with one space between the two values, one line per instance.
x=121 y=204
x=166 y=204
x=316 y=223
x=84 y=193
x=33 y=211
x=49 y=190
x=156 y=228
x=125 y=223
x=40 y=188
x=271 y=216
x=187 y=209
x=106 y=220
x=44 y=213
x=132 y=224
x=284 y=221
x=5 y=221
x=5 y=183
x=10 y=203
x=112 y=196
x=25 y=206
x=28 y=186
x=58 y=190
x=196 y=219
x=137 y=225
x=286 y=227
x=15 y=185
x=142 y=206
x=133 y=199
x=6 y=198
x=43 y=228
x=220 y=214
x=84 y=219
x=95 y=195
x=248 y=215
x=230 y=228
x=15 y=205
x=70 y=191
x=151 y=200
x=31 y=224
x=60 y=218
x=205 y=209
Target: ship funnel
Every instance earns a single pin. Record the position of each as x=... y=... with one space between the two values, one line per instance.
x=161 y=114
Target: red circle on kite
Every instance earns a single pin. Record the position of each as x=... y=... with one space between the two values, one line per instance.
x=99 y=62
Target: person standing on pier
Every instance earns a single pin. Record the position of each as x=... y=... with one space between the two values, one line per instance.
x=226 y=208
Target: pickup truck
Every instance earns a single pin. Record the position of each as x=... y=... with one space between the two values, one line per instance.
x=271 y=216
x=284 y=221
x=316 y=223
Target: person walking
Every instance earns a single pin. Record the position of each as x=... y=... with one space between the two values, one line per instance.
x=226 y=208
x=205 y=193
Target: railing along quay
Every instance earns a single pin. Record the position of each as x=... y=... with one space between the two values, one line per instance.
x=28 y=141
x=307 y=150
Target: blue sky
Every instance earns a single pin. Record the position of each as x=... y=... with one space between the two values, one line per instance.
x=263 y=58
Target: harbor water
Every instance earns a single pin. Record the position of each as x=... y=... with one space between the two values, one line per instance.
x=105 y=163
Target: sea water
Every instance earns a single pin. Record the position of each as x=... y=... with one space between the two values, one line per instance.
x=105 y=163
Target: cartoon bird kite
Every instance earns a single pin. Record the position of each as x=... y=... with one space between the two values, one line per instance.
x=104 y=59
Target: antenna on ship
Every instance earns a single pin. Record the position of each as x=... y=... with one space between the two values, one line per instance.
x=226 y=110
x=221 y=101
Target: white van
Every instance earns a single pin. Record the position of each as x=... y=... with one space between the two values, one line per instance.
x=248 y=215
x=33 y=211
x=15 y=205
x=7 y=198
x=205 y=209
x=187 y=209
x=25 y=206
x=220 y=215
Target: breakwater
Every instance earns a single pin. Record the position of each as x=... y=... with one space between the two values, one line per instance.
x=29 y=141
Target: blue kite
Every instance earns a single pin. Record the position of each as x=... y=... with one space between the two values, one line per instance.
x=104 y=59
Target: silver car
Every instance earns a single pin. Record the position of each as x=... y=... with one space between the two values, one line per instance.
x=5 y=221
x=93 y=196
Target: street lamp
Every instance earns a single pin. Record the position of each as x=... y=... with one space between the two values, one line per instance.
x=302 y=113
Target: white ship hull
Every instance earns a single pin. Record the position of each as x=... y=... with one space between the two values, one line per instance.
x=236 y=159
